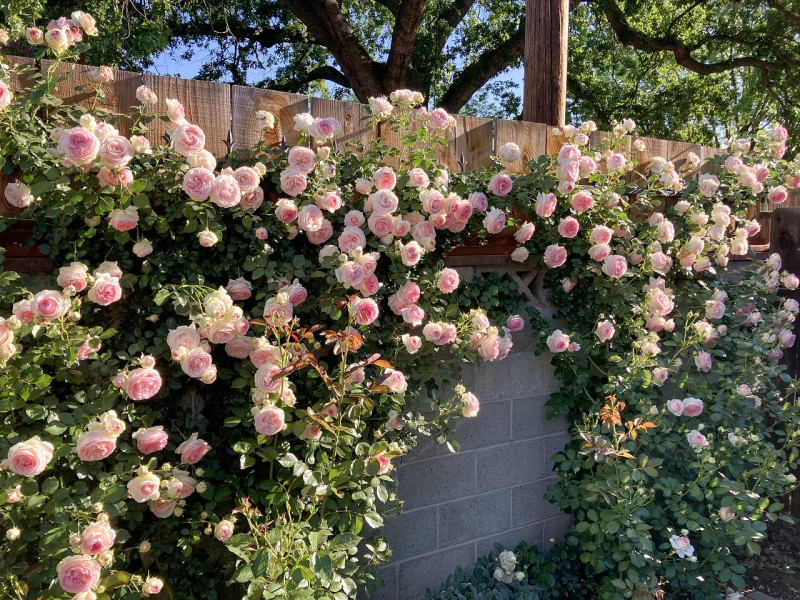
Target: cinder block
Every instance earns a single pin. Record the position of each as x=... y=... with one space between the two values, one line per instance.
x=555 y=530
x=426 y=447
x=508 y=540
x=519 y=374
x=529 y=505
x=552 y=445
x=429 y=572
x=412 y=533
x=492 y=426
x=530 y=420
x=523 y=340
x=389 y=590
x=436 y=480
x=509 y=465
x=474 y=517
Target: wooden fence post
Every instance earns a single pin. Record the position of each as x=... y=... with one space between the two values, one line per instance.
x=544 y=98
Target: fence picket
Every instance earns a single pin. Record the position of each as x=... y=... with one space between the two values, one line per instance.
x=19 y=81
x=530 y=137
x=473 y=137
x=350 y=115
x=247 y=101
x=207 y=104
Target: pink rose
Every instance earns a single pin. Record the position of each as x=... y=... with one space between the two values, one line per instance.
x=369 y=285
x=78 y=573
x=277 y=314
x=75 y=275
x=448 y=281
x=692 y=407
x=226 y=192
x=470 y=405
x=222 y=332
x=601 y=235
x=293 y=182
x=395 y=381
x=545 y=204
x=198 y=183
x=183 y=337
x=224 y=530
x=330 y=201
x=115 y=151
x=381 y=224
x=568 y=285
x=582 y=201
x=188 y=139
x=495 y=221
x=97 y=538
x=385 y=178
x=412 y=343
x=6 y=96
x=14 y=495
x=555 y=256
x=239 y=289
x=615 y=265
x=413 y=315
x=192 y=450
x=268 y=420
x=239 y=348
x=252 y=200
x=364 y=311
x=18 y=194
x=778 y=195
x=286 y=210
x=479 y=201
x=350 y=273
x=605 y=330
x=297 y=293
x=351 y=238
x=439 y=118
x=324 y=129
x=321 y=235
x=196 y=363
x=501 y=184
x=49 y=304
x=302 y=159
x=354 y=218
x=142 y=384
x=150 y=440
x=162 y=507
x=696 y=440
x=78 y=146
x=31 y=457
x=615 y=162
x=675 y=406
x=384 y=201
x=106 y=290
x=524 y=233
x=152 y=586
x=568 y=227
x=124 y=219
x=23 y=310
x=702 y=361
x=96 y=444
x=410 y=253
x=515 y=323
x=310 y=218
x=265 y=379
x=558 y=342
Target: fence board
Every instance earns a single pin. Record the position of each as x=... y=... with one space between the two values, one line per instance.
x=350 y=115
x=120 y=93
x=474 y=138
x=207 y=104
x=530 y=137
x=247 y=100
x=19 y=81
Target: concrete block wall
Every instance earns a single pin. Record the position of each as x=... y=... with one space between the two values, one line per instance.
x=458 y=507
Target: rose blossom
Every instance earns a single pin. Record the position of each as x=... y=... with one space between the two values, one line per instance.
x=188 y=139
x=196 y=363
x=49 y=304
x=558 y=342
x=152 y=586
x=75 y=275
x=615 y=265
x=696 y=440
x=106 y=290
x=97 y=538
x=142 y=384
x=364 y=310
x=395 y=381
x=605 y=330
x=18 y=194
x=545 y=204
x=192 y=450
x=509 y=152
x=207 y=238
x=692 y=407
x=470 y=406
x=293 y=182
x=675 y=406
x=78 y=573
x=78 y=147
x=702 y=361
x=582 y=201
x=151 y=439
x=412 y=343
x=385 y=178
x=447 y=281
x=124 y=219
x=778 y=195
x=555 y=256
x=31 y=457
x=226 y=192
x=115 y=151
x=198 y=183
x=163 y=508
x=495 y=221
x=568 y=227
x=302 y=159
x=268 y=420
x=96 y=444
x=500 y=184
x=224 y=530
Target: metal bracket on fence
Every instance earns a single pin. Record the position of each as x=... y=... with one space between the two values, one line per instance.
x=229 y=143
x=167 y=138
x=462 y=163
x=284 y=145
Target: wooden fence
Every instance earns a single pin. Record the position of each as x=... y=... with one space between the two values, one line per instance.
x=227 y=115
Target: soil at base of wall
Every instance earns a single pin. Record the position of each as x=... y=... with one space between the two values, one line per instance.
x=777 y=571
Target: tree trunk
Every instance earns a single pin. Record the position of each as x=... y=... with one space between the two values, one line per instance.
x=546 y=33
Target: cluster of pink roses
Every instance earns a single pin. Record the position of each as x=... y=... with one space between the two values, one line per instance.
x=62 y=33
x=141 y=383
x=99 y=440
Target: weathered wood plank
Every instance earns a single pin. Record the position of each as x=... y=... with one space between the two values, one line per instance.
x=247 y=101
x=545 y=42
x=473 y=137
x=19 y=81
x=120 y=92
x=207 y=104
x=530 y=137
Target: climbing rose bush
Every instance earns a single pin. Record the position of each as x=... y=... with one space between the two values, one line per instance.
x=234 y=352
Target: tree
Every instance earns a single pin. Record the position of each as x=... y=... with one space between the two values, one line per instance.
x=686 y=69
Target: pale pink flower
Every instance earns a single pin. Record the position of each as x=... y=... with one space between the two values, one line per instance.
x=106 y=290
x=188 y=139
x=545 y=204
x=501 y=184
x=615 y=265
x=558 y=342
x=78 y=147
x=703 y=361
x=96 y=444
x=470 y=405
x=78 y=573
x=555 y=256
x=605 y=330
x=692 y=407
x=448 y=280
x=364 y=311
x=192 y=450
x=268 y=420
x=302 y=159
x=31 y=457
x=142 y=384
x=97 y=538
x=150 y=440
x=582 y=201
x=568 y=227
x=495 y=221
x=293 y=182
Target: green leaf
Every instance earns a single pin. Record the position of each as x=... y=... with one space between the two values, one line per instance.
x=344 y=541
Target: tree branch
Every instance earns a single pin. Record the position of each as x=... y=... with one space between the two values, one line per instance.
x=406 y=25
x=784 y=10
x=628 y=36
x=325 y=21
x=326 y=72
x=486 y=66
